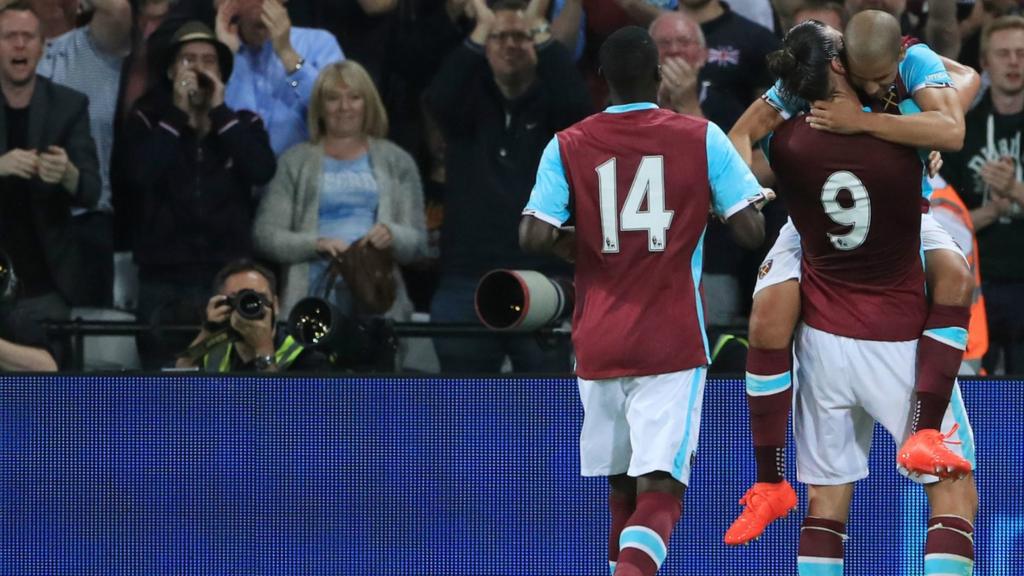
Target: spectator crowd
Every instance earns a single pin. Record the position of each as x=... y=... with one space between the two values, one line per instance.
x=157 y=157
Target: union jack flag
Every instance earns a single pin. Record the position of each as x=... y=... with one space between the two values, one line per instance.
x=724 y=55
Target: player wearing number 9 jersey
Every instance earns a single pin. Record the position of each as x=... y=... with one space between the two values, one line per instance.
x=871 y=56
x=638 y=183
x=855 y=200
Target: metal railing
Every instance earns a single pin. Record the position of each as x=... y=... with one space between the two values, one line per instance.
x=77 y=330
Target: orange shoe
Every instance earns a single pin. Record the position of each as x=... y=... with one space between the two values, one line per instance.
x=764 y=503
x=925 y=453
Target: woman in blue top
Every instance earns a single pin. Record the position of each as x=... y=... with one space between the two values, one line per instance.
x=346 y=185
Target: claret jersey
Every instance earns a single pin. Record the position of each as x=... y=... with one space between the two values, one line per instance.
x=638 y=183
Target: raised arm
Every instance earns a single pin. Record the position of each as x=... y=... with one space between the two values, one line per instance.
x=939 y=126
x=758 y=121
x=966 y=80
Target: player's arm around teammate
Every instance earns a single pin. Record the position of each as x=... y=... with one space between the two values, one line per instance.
x=776 y=303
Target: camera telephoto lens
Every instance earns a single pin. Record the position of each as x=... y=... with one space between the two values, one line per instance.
x=249 y=304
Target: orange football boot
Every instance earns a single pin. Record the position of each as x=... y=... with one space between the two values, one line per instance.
x=926 y=453
x=764 y=503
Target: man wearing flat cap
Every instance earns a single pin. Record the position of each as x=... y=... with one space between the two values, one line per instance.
x=194 y=165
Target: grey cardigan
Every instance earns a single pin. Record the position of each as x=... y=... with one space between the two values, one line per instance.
x=287 y=220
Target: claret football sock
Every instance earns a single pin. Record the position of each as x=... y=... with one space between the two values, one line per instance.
x=769 y=396
x=939 y=354
x=949 y=549
x=621 y=508
x=821 y=547
x=643 y=543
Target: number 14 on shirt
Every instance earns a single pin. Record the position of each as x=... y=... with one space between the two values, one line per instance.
x=649 y=183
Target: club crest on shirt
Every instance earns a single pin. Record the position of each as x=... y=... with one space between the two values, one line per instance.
x=765 y=268
x=724 y=56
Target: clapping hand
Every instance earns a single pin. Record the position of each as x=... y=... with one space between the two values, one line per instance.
x=20 y=163
x=1000 y=175
x=53 y=164
x=678 y=90
x=227 y=25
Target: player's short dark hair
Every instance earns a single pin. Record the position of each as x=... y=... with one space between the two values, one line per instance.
x=629 y=58
x=244 y=265
x=802 y=64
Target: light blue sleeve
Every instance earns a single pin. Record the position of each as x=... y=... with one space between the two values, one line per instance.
x=908 y=107
x=786 y=106
x=733 y=185
x=922 y=68
x=549 y=200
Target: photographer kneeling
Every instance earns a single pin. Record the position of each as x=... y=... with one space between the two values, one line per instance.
x=240 y=332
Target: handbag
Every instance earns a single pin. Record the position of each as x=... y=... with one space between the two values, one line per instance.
x=369 y=274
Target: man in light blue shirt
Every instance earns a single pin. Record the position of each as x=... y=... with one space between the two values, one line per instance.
x=276 y=65
x=89 y=60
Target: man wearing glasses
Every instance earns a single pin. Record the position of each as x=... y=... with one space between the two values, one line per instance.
x=499 y=98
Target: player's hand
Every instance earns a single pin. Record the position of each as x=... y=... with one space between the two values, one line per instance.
x=1000 y=175
x=53 y=164
x=841 y=115
x=759 y=201
x=379 y=236
x=227 y=25
x=678 y=90
x=20 y=163
x=331 y=248
x=934 y=163
x=218 y=310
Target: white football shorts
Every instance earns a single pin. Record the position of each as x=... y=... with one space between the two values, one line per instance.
x=641 y=424
x=783 y=261
x=842 y=386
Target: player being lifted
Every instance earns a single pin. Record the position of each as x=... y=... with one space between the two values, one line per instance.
x=855 y=201
x=887 y=72
x=637 y=182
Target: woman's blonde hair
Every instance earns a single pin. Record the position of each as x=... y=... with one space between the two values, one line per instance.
x=353 y=75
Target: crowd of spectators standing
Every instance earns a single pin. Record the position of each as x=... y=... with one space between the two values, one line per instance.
x=146 y=146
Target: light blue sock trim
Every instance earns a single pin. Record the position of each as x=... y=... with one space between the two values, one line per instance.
x=758 y=385
x=809 y=566
x=611 y=568
x=963 y=433
x=954 y=336
x=947 y=564
x=645 y=540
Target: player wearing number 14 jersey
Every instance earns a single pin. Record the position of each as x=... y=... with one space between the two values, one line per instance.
x=855 y=200
x=637 y=183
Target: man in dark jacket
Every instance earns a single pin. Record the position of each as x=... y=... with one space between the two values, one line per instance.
x=499 y=98
x=47 y=164
x=194 y=165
